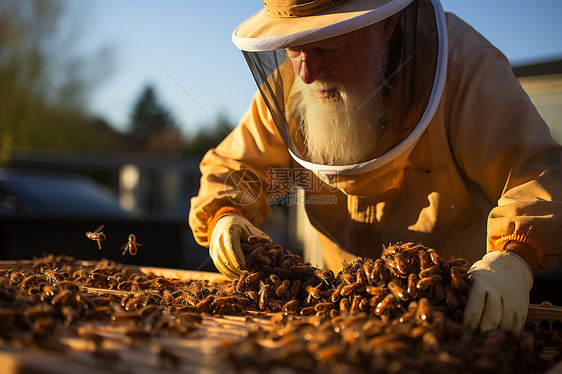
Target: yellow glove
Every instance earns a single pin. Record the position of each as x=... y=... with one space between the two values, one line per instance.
x=225 y=248
x=499 y=292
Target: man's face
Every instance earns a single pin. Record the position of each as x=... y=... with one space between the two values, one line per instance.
x=344 y=57
x=337 y=96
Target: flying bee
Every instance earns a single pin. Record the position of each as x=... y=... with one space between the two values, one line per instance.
x=96 y=235
x=131 y=245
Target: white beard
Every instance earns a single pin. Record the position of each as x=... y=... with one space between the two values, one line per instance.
x=340 y=129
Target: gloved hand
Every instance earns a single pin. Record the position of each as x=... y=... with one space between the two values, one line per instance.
x=499 y=292
x=225 y=248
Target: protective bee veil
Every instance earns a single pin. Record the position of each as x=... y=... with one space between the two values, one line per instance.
x=366 y=119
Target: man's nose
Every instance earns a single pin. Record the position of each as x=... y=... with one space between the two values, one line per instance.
x=309 y=66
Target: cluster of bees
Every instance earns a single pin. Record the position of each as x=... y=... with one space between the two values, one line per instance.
x=131 y=246
x=408 y=281
x=60 y=296
x=399 y=313
x=361 y=343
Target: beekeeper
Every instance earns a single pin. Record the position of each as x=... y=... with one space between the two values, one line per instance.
x=401 y=123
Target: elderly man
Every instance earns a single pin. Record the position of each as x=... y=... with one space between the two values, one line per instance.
x=415 y=127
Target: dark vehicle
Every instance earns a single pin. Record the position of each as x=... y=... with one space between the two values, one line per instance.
x=51 y=212
x=39 y=193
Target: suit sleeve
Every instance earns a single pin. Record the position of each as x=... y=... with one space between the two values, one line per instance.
x=503 y=145
x=236 y=176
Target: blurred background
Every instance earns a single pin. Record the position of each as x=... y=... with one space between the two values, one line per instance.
x=106 y=108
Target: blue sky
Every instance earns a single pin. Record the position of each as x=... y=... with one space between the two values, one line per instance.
x=183 y=48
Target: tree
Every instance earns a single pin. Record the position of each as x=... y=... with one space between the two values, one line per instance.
x=41 y=80
x=149 y=117
x=208 y=136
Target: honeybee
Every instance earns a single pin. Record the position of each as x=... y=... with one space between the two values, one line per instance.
x=309 y=310
x=313 y=292
x=240 y=284
x=424 y=311
x=388 y=302
x=253 y=277
x=323 y=307
x=275 y=279
x=412 y=289
x=336 y=295
x=96 y=235
x=345 y=305
x=204 y=305
x=397 y=291
x=457 y=280
x=355 y=303
x=325 y=275
x=131 y=245
x=291 y=306
x=283 y=289
x=264 y=297
x=52 y=276
x=348 y=289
